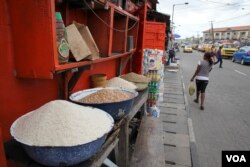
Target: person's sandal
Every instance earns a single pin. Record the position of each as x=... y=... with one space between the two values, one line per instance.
x=196 y=101
x=202 y=108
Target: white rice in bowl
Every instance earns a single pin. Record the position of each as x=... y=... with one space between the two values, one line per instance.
x=61 y=123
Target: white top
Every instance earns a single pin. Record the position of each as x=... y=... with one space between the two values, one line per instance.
x=204 y=72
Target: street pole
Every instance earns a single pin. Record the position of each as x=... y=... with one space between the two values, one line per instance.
x=173 y=17
x=172 y=21
x=212 y=31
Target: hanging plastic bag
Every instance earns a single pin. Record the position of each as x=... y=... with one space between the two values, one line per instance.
x=191 y=88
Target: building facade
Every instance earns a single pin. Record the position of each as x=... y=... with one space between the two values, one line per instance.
x=239 y=33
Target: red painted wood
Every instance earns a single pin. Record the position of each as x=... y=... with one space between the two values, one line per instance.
x=154 y=35
x=33 y=32
x=2 y=155
x=133 y=26
x=138 y=58
x=111 y=31
x=119 y=37
x=18 y=95
x=100 y=31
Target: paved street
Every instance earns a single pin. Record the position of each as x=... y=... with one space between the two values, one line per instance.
x=225 y=122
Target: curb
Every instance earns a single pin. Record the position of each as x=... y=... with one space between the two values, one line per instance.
x=193 y=149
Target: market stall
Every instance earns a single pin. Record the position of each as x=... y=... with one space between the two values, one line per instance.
x=54 y=52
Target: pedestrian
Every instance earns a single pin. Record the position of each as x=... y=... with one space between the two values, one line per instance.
x=171 y=56
x=202 y=77
x=219 y=57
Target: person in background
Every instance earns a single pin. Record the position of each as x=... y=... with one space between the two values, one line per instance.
x=202 y=77
x=171 y=55
x=219 y=57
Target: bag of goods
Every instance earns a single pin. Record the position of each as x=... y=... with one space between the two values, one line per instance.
x=121 y=83
x=87 y=36
x=62 y=132
x=77 y=44
x=191 y=88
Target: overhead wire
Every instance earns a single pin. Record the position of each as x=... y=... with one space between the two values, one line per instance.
x=217 y=2
x=229 y=19
x=223 y=7
x=106 y=24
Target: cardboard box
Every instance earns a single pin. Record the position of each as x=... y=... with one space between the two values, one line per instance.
x=77 y=44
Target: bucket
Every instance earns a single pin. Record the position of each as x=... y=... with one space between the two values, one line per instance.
x=98 y=80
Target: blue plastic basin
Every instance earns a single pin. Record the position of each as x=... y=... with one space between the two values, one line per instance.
x=116 y=109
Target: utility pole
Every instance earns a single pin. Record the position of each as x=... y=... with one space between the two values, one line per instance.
x=198 y=37
x=212 y=31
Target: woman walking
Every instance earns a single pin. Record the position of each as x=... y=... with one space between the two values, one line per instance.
x=202 y=77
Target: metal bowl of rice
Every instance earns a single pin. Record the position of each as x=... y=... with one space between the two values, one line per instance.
x=109 y=102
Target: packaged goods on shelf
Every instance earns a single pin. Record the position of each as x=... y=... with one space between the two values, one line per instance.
x=61 y=37
x=153 y=69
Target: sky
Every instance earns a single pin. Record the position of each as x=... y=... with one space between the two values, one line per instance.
x=192 y=19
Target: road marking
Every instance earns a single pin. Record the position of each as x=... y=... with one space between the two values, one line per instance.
x=191 y=130
x=240 y=72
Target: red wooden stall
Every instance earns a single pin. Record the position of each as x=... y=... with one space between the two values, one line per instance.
x=30 y=72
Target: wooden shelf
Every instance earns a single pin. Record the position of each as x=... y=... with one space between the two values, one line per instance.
x=84 y=63
x=117 y=9
x=37 y=57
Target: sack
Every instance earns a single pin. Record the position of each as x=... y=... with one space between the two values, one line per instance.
x=191 y=88
x=77 y=44
x=87 y=36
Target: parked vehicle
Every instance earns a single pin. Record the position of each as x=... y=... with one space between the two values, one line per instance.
x=242 y=55
x=202 y=47
x=195 y=46
x=188 y=49
x=228 y=50
x=208 y=47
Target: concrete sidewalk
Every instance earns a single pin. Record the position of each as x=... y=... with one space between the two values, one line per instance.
x=174 y=116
